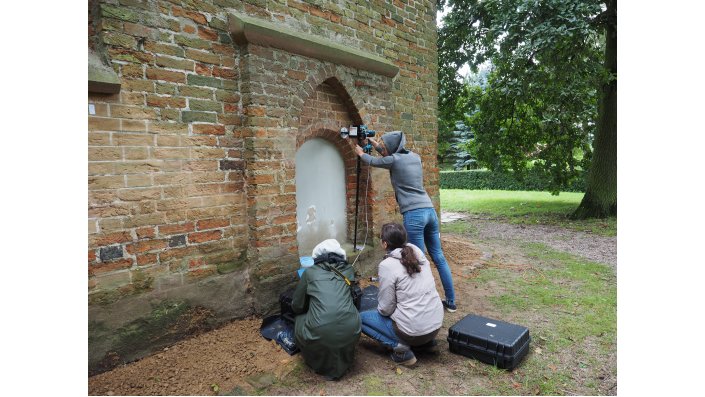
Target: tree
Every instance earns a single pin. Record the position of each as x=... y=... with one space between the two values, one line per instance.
x=540 y=105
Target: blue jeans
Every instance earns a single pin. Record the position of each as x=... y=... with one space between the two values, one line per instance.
x=422 y=230
x=379 y=328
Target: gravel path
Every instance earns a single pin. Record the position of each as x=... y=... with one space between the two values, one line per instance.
x=588 y=245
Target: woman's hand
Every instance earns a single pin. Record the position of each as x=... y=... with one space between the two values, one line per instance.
x=358 y=150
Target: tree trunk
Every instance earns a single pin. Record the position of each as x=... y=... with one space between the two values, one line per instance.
x=600 y=198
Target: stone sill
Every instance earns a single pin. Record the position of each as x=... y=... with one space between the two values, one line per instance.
x=244 y=29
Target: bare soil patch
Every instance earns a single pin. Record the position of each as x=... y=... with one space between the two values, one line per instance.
x=236 y=360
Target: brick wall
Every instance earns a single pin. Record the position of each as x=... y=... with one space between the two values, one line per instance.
x=191 y=170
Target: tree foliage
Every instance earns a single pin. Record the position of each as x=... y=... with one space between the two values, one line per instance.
x=540 y=105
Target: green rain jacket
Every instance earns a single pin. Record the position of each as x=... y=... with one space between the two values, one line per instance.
x=329 y=327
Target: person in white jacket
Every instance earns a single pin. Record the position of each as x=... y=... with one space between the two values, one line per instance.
x=409 y=313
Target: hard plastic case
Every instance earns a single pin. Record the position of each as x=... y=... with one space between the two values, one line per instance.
x=490 y=341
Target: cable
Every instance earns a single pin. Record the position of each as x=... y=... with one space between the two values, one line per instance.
x=367 y=226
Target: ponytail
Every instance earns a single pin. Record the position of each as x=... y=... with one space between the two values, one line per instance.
x=395 y=237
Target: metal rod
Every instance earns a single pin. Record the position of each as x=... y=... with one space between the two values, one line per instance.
x=357 y=200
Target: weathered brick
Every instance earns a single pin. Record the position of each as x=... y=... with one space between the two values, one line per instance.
x=146 y=259
x=121 y=13
x=139 y=194
x=207 y=34
x=137 y=85
x=103 y=124
x=120 y=40
x=194 y=16
x=122 y=139
x=133 y=153
x=200 y=237
x=138 y=180
x=170 y=153
x=226 y=73
x=227 y=96
x=194 y=79
x=129 y=55
x=104 y=153
x=166 y=230
x=192 y=42
x=166 y=101
x=189 y=116
x=100 y=268
x=139 y=30
x=175 y=63
x=166 y=75
x=157 y=127
x=165 y=88
x=198 y=104
x=146 y=232
x=133 y=112
x=196 y=92
x=212 y=224
x=203 y=56
x=132 y=98
x=203 y=69
x=162 y=48
x=232 y=165
x=132 y=70
x=209 y=129
x=145 y=246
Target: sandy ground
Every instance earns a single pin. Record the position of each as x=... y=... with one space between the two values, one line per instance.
x=236 y=360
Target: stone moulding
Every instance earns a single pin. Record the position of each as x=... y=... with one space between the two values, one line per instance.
x=101 y=78
x=244 y=29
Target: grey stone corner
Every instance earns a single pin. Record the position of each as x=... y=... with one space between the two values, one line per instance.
x=101 y=78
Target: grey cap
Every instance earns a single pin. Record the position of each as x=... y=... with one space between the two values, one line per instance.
x=394 y=141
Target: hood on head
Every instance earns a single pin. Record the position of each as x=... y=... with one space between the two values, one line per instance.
x=394 y=141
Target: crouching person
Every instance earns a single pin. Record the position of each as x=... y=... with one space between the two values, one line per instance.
x=328 y=327
x=409 y=312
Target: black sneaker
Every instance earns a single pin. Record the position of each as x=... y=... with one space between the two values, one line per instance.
x=429 y=347
x=450 y=307
x=403 y=355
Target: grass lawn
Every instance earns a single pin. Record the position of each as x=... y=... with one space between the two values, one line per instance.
x=525 y=208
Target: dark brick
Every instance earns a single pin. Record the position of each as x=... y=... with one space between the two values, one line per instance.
x=229 y=165
x=177 y=241
x=188 y=117
x=110 y=253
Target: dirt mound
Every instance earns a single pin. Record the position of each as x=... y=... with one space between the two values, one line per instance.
x=221 y=360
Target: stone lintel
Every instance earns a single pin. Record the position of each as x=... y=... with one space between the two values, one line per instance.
x=246 y=29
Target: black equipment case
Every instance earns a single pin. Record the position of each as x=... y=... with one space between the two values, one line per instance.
x=490 y=341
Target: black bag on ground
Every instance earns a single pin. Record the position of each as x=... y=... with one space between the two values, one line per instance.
x=285 y=300
x=490 y=341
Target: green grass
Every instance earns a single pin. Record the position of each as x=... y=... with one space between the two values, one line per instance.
x=568 y=300
x=523 y=207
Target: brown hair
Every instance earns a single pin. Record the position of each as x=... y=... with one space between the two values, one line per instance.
x=394 y=235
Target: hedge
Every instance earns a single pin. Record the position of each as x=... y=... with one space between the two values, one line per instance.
x=489 y=180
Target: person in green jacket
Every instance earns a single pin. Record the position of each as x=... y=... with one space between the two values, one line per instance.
x=327 y=325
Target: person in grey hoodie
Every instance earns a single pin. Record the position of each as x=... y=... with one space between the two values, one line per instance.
x=409 y=312
x=420 y=218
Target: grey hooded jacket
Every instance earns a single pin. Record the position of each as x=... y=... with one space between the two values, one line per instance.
x=405 y=172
